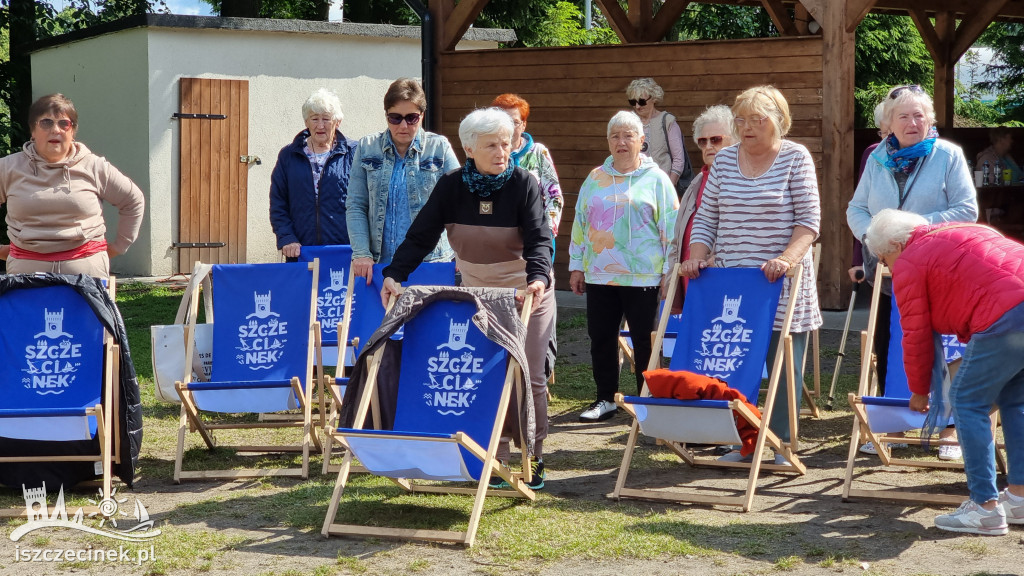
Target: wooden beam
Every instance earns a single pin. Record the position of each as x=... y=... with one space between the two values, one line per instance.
x=780 y=17
x=928 y=34
x=945 y=77
x=640 y=14
x=973 y=24
x=459 y=20
x=665 y=19
x=814 y=7
x=618 y=20
x=856 y=10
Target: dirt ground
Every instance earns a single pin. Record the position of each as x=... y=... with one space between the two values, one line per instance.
x=802 y=516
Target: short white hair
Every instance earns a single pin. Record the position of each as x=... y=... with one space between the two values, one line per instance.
x=482 y=122
x=889 y=228
x=907 y=94
x=628 y=119
x=324 y=102
x=717 y=114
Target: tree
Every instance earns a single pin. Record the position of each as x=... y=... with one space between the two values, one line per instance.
x=720 y=22
x=285 y=9
x=889 y=52
x=1006 y=39
x=563 y=26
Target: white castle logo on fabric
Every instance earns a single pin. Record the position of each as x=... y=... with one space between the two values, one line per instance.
x=53 y=359
x=725 y=344
x=453 y=378
x=330 y=303
x=263 y=338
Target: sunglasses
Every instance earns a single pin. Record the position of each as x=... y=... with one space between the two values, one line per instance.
x=715 y=141
x=915 y=88
x=410 y=119
x=640 y=101
x=48 y=123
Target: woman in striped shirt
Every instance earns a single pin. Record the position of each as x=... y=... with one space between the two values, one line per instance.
x=761 y=208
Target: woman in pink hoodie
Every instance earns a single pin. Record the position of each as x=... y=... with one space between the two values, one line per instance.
x=968 y=280
x=54 y=190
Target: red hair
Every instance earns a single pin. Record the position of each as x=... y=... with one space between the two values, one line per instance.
x=513 y=101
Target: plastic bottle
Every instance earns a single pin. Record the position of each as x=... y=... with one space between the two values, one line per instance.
x=997 y=174
x=986 y=174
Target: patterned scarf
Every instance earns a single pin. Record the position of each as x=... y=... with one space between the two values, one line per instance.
x=483 y=185
x=527 y=145
x=905 y=159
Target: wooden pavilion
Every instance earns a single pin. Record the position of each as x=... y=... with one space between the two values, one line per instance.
x=573 y=91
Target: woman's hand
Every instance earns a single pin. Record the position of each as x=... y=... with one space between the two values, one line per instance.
x=691 y=268
x=856 y=274
x=919 y=402
x=577 y=282
x=5 y=251
x=391 y=288
x=363 y=267
x=537 y=289
x=775 y=268
x=110 y=252
x=291 y=250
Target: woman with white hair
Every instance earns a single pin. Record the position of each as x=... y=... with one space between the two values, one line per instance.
x=309 y=184
x=916 y=171
x=663 y=139
x=963 y=279
x=497 y=225
x=618 y=255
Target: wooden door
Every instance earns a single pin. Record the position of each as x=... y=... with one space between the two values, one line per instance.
x=214 y=119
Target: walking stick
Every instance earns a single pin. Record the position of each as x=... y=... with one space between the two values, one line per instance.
x=842 y=343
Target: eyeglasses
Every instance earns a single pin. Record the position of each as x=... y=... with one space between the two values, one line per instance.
x=753 y=120
x=48 y=123
x=410 y=119
x=626 y=137
x=714 y=140
x=640 y=101
x=915 y=88
x=318 y=121
x=517 y=123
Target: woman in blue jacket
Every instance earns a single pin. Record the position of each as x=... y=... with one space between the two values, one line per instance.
x=309 y=185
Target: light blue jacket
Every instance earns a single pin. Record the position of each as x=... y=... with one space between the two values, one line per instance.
x=940 y=189
x=430 y=156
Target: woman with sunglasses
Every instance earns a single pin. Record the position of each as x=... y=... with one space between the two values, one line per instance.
x=712 y=131
x=913 y=170
x=761 y=208
x=663 y=140
x=54 y=190
x=309 y=183
x=393 y=174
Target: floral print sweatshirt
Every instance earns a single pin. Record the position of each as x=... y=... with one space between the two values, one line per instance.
x=624 y=225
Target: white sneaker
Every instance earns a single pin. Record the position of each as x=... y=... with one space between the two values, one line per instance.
x=973 y=519
x=780 y=460
x=735 y=456
x=869 y=448
x=598 y=411
x=950 y=452
x=1013 y=507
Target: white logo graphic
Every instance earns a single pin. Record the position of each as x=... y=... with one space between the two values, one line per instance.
x=722 y=348
x=330 y=303
x=337 y=280
x=453 y=379
x=51 y=366
x=262 y=339
x=39 y=517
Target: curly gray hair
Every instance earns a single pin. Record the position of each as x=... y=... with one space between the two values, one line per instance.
x=484 y=121
x=717 y=114
x=323 y=101
x=645 y=87
x=889 y=228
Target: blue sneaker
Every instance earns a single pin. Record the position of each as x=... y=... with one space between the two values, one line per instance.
x=537 y=481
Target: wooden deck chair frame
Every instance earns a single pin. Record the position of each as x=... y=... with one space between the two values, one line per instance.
x=866 y=387
x=332 y=384
x=765 y=437
x=811 y=396
x=513 y=383
x=190 y=419
x=107 y=424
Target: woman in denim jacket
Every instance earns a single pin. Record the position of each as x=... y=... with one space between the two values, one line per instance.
x=393 y=174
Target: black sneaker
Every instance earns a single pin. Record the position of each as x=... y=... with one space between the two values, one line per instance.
x=537 y=481
x=598 y=411
x=497 y=482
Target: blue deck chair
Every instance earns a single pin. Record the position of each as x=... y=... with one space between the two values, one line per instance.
x=264 y=338
x=877 y=417
x=361 y=316
x=58 y=377
x=454 y=390
x=727 y=324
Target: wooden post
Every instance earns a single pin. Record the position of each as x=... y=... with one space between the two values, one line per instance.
x=945 y=28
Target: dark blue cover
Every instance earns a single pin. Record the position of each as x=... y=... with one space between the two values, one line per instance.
x=332 y=286
x=896 y=385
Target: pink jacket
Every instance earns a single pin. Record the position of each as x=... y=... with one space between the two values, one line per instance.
x=952 y=279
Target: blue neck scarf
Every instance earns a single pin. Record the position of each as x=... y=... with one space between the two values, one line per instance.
x=527 y=144
x=483 y=185
x=905 y=159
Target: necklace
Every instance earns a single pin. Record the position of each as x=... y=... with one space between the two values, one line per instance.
x=750 y=169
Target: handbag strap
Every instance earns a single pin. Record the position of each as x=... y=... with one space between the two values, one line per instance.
x=200 y=280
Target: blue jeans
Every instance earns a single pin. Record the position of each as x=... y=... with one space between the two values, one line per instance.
x=992 y=373
x=779 y=422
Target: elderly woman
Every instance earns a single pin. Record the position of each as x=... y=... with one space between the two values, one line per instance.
x=663 y=140
x=310 y=180
x=496 y=222
x=963 y=279
x=712 y=131
x=916 y=171
x=54 y=190
x=618 y=255
x=765 y=184
x=999 y=154
x=393 y=174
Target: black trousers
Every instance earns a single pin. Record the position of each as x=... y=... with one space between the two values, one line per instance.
x=606 y=307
